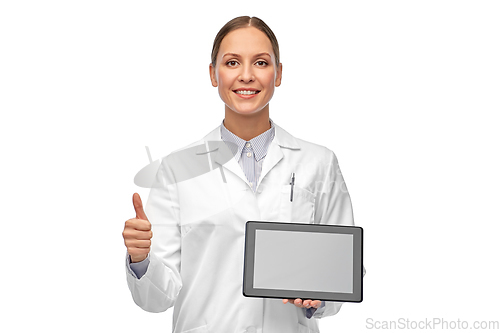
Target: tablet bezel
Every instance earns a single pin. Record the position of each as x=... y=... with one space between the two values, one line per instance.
x=249 y=256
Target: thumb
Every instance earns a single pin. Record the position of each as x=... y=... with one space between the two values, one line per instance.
x=139 y=211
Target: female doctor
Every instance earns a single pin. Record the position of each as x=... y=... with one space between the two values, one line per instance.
x=194 y=262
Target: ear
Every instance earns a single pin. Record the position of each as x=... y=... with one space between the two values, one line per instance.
x=213 y=77
x=277 y=82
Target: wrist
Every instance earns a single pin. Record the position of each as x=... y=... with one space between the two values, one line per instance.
x=137 y=259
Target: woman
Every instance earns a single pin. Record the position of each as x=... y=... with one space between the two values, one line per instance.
x=196 y=257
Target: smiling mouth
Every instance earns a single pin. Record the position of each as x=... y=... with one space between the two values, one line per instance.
x=246 y=92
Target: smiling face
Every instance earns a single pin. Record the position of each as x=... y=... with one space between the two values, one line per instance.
x=246 y=71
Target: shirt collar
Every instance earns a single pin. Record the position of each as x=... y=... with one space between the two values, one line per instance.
x=260 y=143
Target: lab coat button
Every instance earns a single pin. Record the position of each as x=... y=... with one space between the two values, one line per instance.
x=251 y=330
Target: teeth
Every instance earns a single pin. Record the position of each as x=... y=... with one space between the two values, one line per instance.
x=246 y=92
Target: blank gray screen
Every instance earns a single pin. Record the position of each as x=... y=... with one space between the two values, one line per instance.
x=295 y=260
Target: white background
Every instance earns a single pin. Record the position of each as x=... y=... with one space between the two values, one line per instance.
x=406 y=93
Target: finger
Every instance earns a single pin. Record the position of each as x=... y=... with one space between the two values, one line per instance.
x=308 y=303
x=316 y=304
x=139 y=210
x=137 y=243
x=137 y=224
x=143 y=235
x=298 y=302
x=134 y=229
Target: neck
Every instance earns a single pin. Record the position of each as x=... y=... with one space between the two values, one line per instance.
x=247 y=126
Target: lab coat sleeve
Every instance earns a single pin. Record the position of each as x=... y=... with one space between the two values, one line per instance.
x=158 y=288
x=333 y=206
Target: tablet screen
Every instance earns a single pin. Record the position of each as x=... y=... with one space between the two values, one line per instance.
x=299 y=267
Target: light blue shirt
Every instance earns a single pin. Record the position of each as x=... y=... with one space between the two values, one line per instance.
x=250 y=156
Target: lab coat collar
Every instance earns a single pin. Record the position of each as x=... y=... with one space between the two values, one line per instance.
x=259 y=144
x=281 y=137
x=285 y=139
x=223 y=156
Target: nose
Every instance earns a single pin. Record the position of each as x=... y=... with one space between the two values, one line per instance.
x=246 y=74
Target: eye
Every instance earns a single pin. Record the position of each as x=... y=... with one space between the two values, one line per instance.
x=261 y=63
x=231 y=63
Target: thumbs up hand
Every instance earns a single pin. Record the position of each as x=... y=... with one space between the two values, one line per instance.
x=137 y=233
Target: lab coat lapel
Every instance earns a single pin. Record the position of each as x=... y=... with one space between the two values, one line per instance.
x=282 y=140
x=231 y=164
x=273 y=156
x=221 y=154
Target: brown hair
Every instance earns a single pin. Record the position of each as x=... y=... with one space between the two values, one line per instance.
x=243 y=22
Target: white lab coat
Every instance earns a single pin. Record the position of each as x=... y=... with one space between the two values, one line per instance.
x=196 y=258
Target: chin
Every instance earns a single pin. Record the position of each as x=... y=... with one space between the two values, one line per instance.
x=246 y=111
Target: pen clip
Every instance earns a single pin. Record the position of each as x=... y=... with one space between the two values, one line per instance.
x=292 y=182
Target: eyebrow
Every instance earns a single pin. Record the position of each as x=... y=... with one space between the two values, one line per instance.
x=256 y=56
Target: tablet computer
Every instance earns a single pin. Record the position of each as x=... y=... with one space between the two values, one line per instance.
x=307 y=261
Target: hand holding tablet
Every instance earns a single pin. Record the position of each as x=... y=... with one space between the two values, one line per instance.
x=303 y=304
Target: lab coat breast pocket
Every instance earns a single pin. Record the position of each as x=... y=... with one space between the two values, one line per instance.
x=300 y=209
